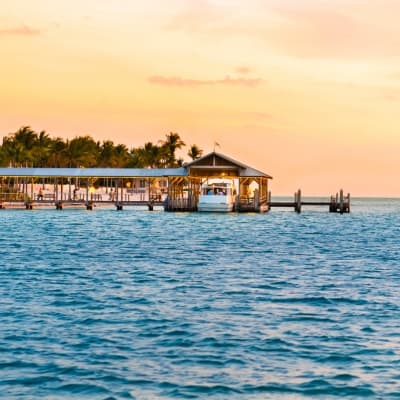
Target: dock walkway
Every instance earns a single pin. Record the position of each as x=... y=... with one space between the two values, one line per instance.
x=336 y=204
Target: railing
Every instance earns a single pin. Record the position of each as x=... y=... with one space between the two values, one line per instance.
x=246 y=200
x=180 y=204
x=14 y=196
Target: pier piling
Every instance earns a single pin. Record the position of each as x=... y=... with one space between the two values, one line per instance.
x=337 y=204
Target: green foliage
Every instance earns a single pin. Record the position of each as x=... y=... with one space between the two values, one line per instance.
x=27 y=148
x=194 y=152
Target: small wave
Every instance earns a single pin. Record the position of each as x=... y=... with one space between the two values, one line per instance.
x=185 y=391
x=31 y=381
x=344 y=377
x=337 y=359
x=17 y=364
x=368 y=329
x=213 y=342
x=178 y=342
x=317 y=387
x=83 y=389
x=303 y=300
x=322 y=387
x=318 y=300
x=266 y=287
x=309 y=318
x=177 y=332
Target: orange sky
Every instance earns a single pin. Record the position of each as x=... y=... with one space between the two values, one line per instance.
x=307 y=91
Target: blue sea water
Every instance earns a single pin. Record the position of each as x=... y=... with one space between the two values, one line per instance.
x=134 y=304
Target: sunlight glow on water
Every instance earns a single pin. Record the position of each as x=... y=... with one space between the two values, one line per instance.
x=154 y=305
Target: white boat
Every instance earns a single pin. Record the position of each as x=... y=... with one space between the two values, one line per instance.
x=217 y=197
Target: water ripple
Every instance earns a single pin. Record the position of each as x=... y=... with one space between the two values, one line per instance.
x=140 y=305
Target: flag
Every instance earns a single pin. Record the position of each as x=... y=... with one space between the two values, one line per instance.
x=216 y=144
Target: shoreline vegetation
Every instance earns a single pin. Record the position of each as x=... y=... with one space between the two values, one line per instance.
x=27 y=148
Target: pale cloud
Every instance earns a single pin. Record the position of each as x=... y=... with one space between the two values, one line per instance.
x=22 y=30
x=186 y=82
x=341 y=29
x=197 y=16
x=323 y=32
x=243 y=70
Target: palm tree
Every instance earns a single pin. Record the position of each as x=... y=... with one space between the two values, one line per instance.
x=172 y=143
x=121 y=156
x=150 y=155
x=58 y=150
x=15 y=153
x=195 y=152
x=41 y=150
x=106 y=152
x=82 y=151
x=18 y=147
x=26 y=136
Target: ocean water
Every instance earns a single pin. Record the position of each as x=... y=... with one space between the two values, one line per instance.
x=134 y=304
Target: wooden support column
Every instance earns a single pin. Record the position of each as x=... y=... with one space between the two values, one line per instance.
x=348 y=202
x=341 y=202
x=297 y=201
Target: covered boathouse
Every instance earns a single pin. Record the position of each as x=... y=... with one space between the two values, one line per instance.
x=176 y=189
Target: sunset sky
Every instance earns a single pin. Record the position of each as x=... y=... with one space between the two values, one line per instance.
x=307 y=91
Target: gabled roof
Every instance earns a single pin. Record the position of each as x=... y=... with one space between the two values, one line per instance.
x=244 y=170
x=212 y=156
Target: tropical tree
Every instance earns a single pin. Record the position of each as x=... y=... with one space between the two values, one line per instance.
x=58 y=153
x=41 y=150
x=194 y=152
x=17 y=147
x=82 y=151
x=25 y=148
x=106 y=152
x=135 y=159
x=150 y=155
x=15 y=153
x=121 y=156
x=26 y=137
x=172 y=143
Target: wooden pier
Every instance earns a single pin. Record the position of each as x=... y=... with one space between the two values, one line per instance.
x=73 y=204
x=174 y=189
x=336 y=204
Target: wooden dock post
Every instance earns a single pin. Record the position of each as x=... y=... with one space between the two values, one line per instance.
x=348 y=202
x=269 y=201
x=119 y=206
x=59 y=205
x=297 y=201
x=341 y=202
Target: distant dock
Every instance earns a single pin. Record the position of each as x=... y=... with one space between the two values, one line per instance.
x=338 y=203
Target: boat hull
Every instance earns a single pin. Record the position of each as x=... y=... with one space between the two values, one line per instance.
x=215 y=207
x=217 y=197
